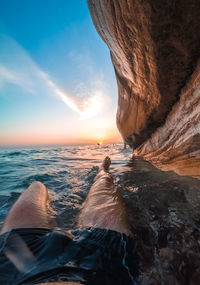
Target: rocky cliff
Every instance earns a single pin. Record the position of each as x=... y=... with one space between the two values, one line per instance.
x=155 y=50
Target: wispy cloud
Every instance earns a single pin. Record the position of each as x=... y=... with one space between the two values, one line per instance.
x=17 y=67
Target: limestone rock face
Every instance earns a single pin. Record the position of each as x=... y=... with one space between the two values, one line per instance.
x=155 y=50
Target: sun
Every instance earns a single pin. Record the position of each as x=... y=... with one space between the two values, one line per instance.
x=99 y=143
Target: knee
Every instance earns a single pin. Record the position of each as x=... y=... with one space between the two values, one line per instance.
x=37 y=185
x=37 y=190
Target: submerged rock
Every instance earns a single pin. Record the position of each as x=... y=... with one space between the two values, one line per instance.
x=155 y=50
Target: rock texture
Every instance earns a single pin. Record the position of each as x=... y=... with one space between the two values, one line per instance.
x=155 y=50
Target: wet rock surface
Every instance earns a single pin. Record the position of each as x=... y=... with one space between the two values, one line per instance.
x=155 y=50
x=164 y=212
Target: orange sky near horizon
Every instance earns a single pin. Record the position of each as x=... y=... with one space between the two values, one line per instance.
x=88 y=135
x=49 y=140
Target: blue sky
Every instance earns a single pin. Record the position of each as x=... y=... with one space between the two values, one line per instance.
x=57 y=83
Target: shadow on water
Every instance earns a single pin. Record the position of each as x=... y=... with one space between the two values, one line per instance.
x=164 y=212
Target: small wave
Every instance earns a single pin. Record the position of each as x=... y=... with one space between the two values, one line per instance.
x=43 y=160
x=44 y=178
x=37 y=151
x=62 y=172
x=77 y=159
x=6 y=171
x=15 y=153
x=91 y=174
x=7 y=201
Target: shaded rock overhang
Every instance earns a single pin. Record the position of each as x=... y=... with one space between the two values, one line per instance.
x=155 y=50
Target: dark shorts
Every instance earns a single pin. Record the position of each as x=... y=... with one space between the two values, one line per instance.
x=89 y=256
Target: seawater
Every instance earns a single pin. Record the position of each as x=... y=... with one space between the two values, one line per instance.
x=67 y=171
x=163 y=208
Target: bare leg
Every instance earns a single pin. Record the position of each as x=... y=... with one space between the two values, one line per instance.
x=104 y=207
x=30 y=210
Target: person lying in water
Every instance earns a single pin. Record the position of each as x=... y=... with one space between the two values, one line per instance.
x=31 y=252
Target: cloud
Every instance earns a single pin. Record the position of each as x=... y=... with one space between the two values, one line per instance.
x=87 y=106
x=6 y=74
x=18 y=68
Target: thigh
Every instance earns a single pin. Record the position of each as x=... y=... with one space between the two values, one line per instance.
x=104 y=207
x=30 y=210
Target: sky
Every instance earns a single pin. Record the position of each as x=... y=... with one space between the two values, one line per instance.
x=57 y=82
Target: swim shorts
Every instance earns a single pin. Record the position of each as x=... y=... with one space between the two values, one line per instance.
x=88 y=256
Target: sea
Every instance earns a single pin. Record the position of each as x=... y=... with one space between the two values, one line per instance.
x=163 y=208
x=67 y=171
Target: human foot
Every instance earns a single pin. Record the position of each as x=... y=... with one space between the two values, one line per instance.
x=106 y=163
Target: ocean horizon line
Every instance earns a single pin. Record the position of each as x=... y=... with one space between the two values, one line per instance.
x=10 y=146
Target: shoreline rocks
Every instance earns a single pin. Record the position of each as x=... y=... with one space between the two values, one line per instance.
x=155 y=50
